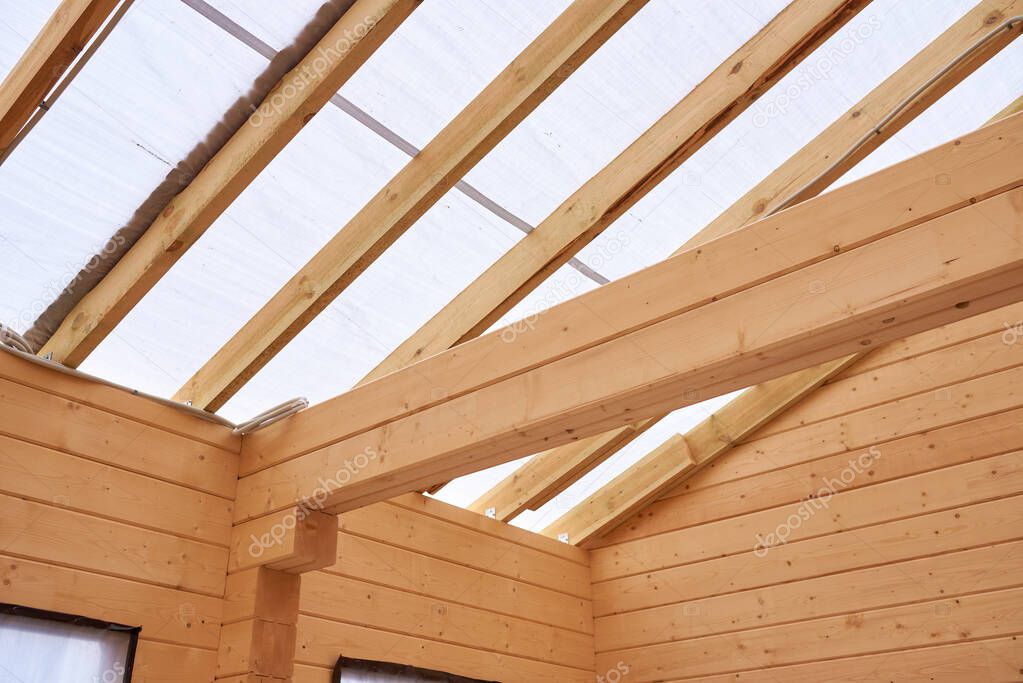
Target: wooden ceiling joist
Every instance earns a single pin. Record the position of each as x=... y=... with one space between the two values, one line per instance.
x=659 y=470
x=804 y=175
x=547 y=62
x=58 y=44
x=897 y=252
x=356 y=35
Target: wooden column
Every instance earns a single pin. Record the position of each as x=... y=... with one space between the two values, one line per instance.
x=268 y=557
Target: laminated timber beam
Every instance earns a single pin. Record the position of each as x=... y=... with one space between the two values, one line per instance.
x=545 y=63
x=862 y=129
x=662 y=469
x=58 y=44
x=351 y=41
x=928 y=241
x=716 y=101
x=682 y=456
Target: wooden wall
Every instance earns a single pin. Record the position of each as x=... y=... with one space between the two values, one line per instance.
x=421 y=582
x=119 y=509
x=911 y=571
x=115 y=508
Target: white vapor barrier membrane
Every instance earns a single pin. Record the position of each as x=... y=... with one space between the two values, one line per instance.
x=858 y=58
x=168 y=73
x=133 y=112
x=34 y=650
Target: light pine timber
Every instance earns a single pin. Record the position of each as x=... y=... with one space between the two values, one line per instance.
x=165 y=614
x=382 y=607
x=120 y=402
x=451 y=580
x=945 y=489
x=724 y=94
x=680 y=455
x=972 y=525
x=548 y=473
x=298 y=541
x=258 y=637
x=903 y=457
x=936 y=340
x=456 y=515
x=544 y=64
x=810 y=170
x=403 y=528
x=157 y=662
x=991 y=614
x=187 y=216
x=942 y=577
x=56 y=536
x=993 y=660
x=35 y=415
x=896 y=197
x=45 y=61
x=758 y=409
x=918 y=414
x=728 y=91
x=951 y=271
x=45 y=475
x=933 y=372
x=319 y=641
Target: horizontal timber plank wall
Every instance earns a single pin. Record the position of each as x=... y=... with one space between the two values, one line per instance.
x=116 y=508
x=873 y=532
x=423 y=583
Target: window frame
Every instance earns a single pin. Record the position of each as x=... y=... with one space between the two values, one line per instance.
x=11 y=609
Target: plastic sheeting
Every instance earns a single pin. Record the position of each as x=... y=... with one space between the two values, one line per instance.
x=167 y=74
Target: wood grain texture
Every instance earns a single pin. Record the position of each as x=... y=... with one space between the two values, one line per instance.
x=939 y=268
x=898 y=197
x=187 y=216
x=541 y=67
x=811 y=169
x=903 y=568
x=44 y=62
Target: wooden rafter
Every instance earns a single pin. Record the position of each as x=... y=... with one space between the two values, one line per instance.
x=899 y=254
x=727 y=92
x=805 y=174
x=550 y=59
x=660 y=470
x=359 y=32
x=56 y=47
